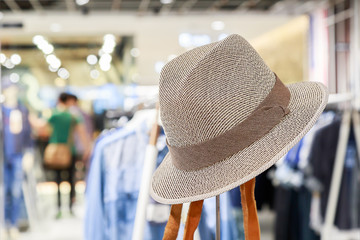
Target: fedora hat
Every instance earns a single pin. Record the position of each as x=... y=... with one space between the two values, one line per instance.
x=227 y=118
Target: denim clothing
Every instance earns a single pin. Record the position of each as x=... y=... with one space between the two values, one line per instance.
x=163 y=149
x=293 y=156
x=13 y=176
x=15 y=144
x=95 y=220
x=235 y=197
x=113 y=186
x=123 y=161
x=119 y=216
x=154 y=231
x=239 y=220
x=14 y=147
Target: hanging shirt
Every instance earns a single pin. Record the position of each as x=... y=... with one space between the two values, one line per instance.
x=323 y=159
x=16 y=141
x=94 y=219
x=113 y=186
x=123 y=161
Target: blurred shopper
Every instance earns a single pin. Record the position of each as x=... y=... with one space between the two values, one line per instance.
x=62 y=125
x=17 y=140
x=74 y=108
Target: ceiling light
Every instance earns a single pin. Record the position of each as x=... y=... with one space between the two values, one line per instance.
x=158 y=66
x=14 y=77
x=105 y=59
x=81 y=2
x=15 y=59
x=63 y=73
x=108 y=46
x=48 y=48
x=51 y=58
x=105 y=67
x=94 y=74
x=166 y=1
x=101 y=52
x=185 y=40
x=8 y=64
x=42 y=45
x=91 y=59
x=135 y=52
x=38 y=39
x=56 y=63
x=218 y=25
x=52 y=69
x=2 y=58
x=108 y=37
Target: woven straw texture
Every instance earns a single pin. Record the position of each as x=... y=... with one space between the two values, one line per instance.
x=209 y=90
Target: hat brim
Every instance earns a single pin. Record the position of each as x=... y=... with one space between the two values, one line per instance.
x=172 y=186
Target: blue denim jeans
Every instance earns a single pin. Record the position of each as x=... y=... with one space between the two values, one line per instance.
x=13 y=176
x=120 y=216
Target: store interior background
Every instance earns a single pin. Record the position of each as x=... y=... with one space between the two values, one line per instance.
x=110 y=54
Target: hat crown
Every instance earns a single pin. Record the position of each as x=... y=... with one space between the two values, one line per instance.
x=210 y=89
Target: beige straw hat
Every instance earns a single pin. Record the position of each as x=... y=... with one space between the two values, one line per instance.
x=227 y=118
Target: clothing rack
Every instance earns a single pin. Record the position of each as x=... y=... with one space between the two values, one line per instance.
x=149 y=167
x=340 y=98
x=2 y=197
x=218 y=229
x=329 y=232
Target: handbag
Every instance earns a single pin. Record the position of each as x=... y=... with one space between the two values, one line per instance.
x=58 y=156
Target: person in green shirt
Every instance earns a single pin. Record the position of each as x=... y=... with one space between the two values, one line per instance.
x=63 y=124
x=60 y=128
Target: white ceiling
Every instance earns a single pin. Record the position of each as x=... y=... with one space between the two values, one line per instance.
x=157 y=37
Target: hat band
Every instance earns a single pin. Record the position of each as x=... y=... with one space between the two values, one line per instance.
x=266 y=116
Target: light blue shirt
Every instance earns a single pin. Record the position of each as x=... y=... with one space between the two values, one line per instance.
x=113 y=186
x=94 y=219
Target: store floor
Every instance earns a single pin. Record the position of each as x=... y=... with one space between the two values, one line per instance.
x=67 y=228
x=45 y=226
x=70 y=227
